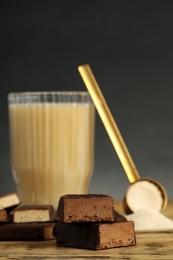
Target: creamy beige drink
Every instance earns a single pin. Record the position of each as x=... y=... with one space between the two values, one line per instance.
x=52 y=148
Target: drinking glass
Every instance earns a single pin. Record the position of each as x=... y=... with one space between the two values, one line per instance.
x=52 y=144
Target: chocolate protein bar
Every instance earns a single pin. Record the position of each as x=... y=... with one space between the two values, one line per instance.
x=9 y=201
x=34 y=213
x=86 y=208
x=3 y=215
x=118 y=217
x=95 y=235
x=26 y=232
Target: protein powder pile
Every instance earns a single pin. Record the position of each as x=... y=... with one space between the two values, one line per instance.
x=145 y=200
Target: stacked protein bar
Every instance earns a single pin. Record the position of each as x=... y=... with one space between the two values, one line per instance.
x=90 y=221
x=25 y=223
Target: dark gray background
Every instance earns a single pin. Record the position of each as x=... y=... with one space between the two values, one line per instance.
x=129 y=46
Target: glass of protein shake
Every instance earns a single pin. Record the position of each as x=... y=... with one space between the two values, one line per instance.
x=52 y=144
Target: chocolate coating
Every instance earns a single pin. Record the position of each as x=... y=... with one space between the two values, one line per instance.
x=95 y=235
x=26 y=232
x=86 y=208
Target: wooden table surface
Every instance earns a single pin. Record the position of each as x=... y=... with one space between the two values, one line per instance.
x=158 y=245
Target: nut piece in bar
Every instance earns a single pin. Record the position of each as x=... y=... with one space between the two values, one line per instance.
x=95 y=235
x=27 y=232
x=86 y=208
x=9 y=200
x=3 y=216
x=33 y=213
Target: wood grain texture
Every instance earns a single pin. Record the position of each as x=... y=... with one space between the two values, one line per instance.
x=158 y=245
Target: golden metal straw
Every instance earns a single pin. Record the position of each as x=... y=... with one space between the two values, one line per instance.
x=114 y=133
x=109 y=123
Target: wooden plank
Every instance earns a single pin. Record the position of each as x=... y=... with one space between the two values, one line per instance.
x=148 y=246
x=157 y=245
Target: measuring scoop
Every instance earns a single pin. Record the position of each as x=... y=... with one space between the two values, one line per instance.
x=141 y=192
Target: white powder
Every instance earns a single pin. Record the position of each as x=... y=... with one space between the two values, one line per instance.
x=145 y=199
x=144 y=194
x=150 y=220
